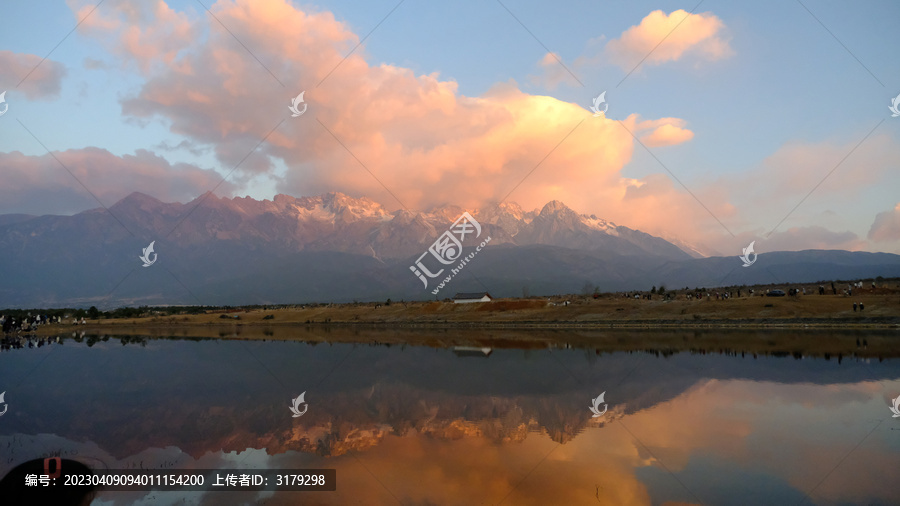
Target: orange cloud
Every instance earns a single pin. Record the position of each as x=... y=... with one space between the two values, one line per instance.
x=423 y=140
x=702 y=34
x=664 y=132
x=428 y=145
x=667 y=135
x=44 y=80
x=658 y=205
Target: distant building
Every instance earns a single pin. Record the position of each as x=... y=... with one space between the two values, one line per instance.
x=469 y=297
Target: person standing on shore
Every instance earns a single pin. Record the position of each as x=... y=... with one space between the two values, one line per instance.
x=854 y=307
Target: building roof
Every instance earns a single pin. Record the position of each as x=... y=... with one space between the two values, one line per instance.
x=472 y=351
x=471 y=295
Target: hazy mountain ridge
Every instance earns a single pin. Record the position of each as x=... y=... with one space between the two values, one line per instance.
x=334 y=247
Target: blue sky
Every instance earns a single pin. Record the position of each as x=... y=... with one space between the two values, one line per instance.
x=787 y=95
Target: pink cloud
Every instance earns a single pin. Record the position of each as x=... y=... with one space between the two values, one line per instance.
x=813 y=237
x=886 y=226
x=795 y=168
x=701 y=34
x=820 y=177
x=145 y=32
x=39 y=185
x=44 y=80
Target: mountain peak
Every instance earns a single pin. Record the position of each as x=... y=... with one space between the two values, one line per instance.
x=555 y=206
x=206 y=197
x=139 y=198
x=338 y=201
x=336 y=205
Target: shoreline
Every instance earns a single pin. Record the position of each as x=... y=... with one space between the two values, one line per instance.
x=562 y=312
x=880 y=323
x=797 y=342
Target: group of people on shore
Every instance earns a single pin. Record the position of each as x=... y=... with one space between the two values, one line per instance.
x=741 y=292
x=12 y=325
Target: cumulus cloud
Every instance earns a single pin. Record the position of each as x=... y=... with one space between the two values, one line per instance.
x=663 y=132
x=423 y=140
x=652 y=42
x=39 y=185
x=428 y=145
x=701 y=34
x=886 y=226
x=146 y=32
x=44 y=80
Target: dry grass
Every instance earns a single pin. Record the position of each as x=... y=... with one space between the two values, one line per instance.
x=819 y=310
x=511 y=305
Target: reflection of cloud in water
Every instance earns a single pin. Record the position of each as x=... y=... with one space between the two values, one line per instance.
x=435 y=428
x=782 y=439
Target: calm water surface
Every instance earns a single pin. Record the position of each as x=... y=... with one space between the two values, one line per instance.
x=429 y=425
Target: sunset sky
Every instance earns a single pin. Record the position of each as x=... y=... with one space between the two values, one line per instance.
x=763 y=121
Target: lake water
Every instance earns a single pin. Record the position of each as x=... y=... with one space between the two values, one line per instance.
x=415 y=424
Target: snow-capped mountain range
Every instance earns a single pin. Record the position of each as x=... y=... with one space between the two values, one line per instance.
x=334 y=247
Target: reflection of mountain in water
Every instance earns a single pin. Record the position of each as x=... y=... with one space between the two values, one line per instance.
x=231 y=395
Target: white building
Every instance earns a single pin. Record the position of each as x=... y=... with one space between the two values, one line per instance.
x=470 y=297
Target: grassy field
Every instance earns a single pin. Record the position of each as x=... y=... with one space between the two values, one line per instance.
x=881 y=310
